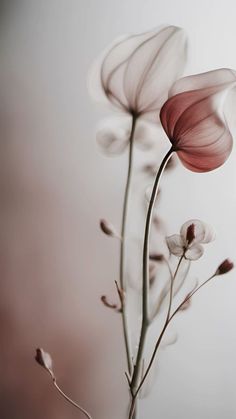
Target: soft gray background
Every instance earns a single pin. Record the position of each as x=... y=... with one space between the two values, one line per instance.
x=54 y=187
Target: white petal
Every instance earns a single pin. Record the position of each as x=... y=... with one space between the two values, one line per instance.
x=203 y=232
x=153 y=68
x=195 y=252
x=175 y=244
x=118 y=51
x=113 y=135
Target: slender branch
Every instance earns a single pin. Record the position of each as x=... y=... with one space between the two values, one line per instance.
x=122 y=245
x=145 y=286
x=190 y=296
x=135 y=394
x=171 y=288
x=81 y=409
x=163 y=331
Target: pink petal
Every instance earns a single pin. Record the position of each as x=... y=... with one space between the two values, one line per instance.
x=207 y=80
x=195 y=123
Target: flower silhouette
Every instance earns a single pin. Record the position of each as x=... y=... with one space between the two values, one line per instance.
x=189 y=242
x=194 y=119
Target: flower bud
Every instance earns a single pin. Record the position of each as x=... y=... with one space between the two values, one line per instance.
x=224 y=267
x=44 y=359
x=186 y=304
x=108 y=229
x=156 y=257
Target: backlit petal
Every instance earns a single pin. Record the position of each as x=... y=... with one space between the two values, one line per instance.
x=153 y=67
x=194 y=120
x=175 y=244
x=195 y=252
x=204 y=233
x=113 y=135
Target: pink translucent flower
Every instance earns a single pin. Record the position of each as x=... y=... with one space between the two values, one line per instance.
x=194 y=119
x=136 y=73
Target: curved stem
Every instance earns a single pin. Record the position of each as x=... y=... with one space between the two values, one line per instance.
x=81 y=409
x=122 y=245
x=163 y=331
x=145 y=286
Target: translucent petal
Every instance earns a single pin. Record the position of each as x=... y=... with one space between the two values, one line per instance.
x=194 y=252
x=203 y=80
x=153 y=67
x=136 y=71
x=113 y=135
x=175 y=244
x=114 y=66
x=204 y=233
x=194 y=119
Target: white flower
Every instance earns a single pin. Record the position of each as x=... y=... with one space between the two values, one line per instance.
x=189 y=242
x=137 y=71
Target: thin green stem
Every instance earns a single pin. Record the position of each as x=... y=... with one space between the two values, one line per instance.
x=122 y=246
x=145 y=285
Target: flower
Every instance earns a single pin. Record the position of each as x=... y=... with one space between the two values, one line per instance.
x=136 y=73
x=189 y=242
x=194 y=119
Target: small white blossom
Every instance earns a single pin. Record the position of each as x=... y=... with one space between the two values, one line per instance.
x=189 y=242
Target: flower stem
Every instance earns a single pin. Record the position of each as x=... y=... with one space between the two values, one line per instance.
x=172 y=286
x=81 y=409
x=161 y=336
x=145 y=286
x=122 y=245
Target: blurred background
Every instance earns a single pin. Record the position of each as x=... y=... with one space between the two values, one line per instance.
x=55 y=185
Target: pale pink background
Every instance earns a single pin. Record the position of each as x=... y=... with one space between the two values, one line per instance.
x=54 y=187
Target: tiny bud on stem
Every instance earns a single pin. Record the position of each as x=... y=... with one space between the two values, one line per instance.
x=156 y=257
x=224 y=267
x=108 y=229
x=44 y=359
